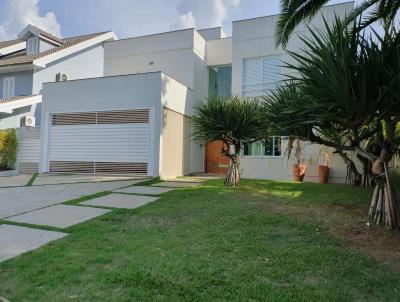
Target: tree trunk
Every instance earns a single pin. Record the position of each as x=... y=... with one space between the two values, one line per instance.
x=232 y=179
x=353 y=177
x=384 y=209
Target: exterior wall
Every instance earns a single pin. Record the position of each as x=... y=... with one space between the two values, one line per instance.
x=175 y=145
x=214 y=33
x=87 y=63
x=13 y=120
x=44 y=45
x=180 y=99
x=219 y=52
x=255 y=38
x=23 y=82
x=102 y=94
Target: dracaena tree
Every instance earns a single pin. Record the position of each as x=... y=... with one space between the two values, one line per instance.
x=351 y=85
x=293 y=12
x=233 y=120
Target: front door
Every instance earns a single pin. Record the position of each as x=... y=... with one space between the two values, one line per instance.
x=216 y=162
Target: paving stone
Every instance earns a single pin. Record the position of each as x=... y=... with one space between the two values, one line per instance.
x=59 y=216
x=122 y=201
x=14 y=181
x=15 y=201
x=15 y=240
x=144 y=190
x=176 y=184
x=51 y=179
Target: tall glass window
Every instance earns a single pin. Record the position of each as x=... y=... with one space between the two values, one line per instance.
x=220 y=81
x=269 y=147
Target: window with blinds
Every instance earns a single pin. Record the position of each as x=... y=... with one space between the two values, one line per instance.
x=261 y=75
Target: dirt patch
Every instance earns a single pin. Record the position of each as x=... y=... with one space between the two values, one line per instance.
x=349 y=223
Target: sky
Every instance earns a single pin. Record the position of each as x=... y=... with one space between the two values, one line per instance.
x=127 y=18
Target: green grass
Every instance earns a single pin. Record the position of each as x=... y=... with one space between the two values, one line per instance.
x=32 y=180
x=208 y=243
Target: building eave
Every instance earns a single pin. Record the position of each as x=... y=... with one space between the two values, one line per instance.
x=9 y=107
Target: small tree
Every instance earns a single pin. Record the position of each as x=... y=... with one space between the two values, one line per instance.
x=234 y=121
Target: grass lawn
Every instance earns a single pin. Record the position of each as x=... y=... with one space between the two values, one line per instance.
x=270 y=241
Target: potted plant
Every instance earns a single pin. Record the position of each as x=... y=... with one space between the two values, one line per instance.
x=299 y=169
x=323 y=170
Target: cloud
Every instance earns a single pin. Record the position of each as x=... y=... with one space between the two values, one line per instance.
x=206 y=13
x=16 y=14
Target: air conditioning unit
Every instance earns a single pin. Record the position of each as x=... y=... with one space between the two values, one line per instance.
x=28 y=121
x=60 y=77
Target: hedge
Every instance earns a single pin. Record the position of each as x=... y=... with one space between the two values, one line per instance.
x=8 y=148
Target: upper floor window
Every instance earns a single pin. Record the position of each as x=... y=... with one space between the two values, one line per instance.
x=269 y=147
x=32 y=45
x=8 y=87
x=261 y=75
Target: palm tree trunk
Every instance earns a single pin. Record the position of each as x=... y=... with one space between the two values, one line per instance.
x=385 y=203
x=353 y=177
x=232 y=178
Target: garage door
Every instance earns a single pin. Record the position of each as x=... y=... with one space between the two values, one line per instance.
x=115 y=142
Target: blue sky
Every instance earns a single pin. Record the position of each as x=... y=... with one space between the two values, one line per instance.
x=127 y=17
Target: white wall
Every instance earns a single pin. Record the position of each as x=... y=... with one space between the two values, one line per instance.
x=213 y=33
x=219 y=52
x=102 y=94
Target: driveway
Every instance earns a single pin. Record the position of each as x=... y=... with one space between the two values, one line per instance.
x=18 y=200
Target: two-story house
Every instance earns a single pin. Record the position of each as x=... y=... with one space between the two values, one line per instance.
x=36 y=57
x=136 y=118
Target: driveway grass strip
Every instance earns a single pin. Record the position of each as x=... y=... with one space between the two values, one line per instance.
x=32 y=179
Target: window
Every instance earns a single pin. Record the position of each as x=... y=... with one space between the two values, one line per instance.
x=261 y=75
x=219 y=81
x=32 y=45
x=8 y=87
x=269 y=147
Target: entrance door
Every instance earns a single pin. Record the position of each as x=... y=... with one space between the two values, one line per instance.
x=216 y=162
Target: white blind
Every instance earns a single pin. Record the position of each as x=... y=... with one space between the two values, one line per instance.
x=261 y=75
x=8 y=87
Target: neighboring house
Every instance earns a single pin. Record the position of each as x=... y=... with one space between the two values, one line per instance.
x=137 y=118
x=37 y=57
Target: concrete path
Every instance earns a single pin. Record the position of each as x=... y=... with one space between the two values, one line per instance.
x=15 y=240
x=177 y=184
x=14 y=181
x=51 y=179
x=14 y=201
x=59 y=216
x=145 y=190
x=120 y=201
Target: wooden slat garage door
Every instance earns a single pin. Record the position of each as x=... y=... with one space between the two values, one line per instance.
x=116 y=142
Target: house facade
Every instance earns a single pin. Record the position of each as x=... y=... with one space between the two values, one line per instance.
x=136 y=117
x=37 y=57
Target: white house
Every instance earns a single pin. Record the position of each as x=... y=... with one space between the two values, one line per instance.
x=136 y=118
x=37 y=57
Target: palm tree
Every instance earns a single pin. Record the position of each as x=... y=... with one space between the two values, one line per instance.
x=293 y=12
x=234 y=121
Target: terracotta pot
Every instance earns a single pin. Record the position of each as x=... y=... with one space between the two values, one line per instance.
x=323 y=173
x=298 y=172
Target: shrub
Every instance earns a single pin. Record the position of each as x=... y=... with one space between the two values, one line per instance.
x=8 y=148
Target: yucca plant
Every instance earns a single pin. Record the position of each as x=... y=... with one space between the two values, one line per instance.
x=233 y=120
x=351 y=84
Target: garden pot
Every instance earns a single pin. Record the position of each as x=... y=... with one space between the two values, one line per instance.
x=323 y=173
x=298 y=172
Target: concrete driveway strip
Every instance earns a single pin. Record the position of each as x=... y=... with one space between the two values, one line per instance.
x=121 y=201
x=15 y=240
x=59 y=216
x=14 y=201
x=73 y=178
x=14 y=181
